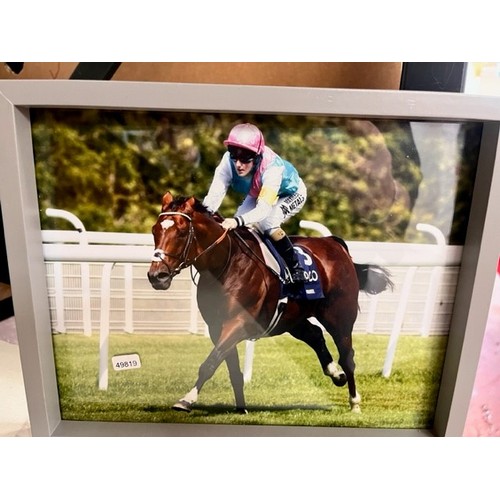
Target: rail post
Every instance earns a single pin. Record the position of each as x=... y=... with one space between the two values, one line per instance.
x=436 y=275
x=84 y=266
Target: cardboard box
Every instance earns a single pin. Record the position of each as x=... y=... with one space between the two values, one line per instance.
x=369 y=75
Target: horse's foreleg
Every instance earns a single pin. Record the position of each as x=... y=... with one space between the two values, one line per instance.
x=206 y=371
x=241 y=326
x=236 y=377
x=225 y=349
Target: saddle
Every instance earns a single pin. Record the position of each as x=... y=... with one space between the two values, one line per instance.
x=311 y=289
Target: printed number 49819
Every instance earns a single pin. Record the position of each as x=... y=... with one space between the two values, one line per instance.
x=126 y=362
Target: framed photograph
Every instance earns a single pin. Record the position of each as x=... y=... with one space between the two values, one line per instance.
x=147 y=305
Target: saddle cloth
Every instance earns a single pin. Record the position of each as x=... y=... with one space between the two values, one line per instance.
x=310 y=289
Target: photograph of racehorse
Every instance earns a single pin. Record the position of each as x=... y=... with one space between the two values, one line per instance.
x=322 y=343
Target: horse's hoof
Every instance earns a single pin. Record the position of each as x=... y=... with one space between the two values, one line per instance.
x=355 y=402
x=340 y=381
x=242 y=411
x=182 y=406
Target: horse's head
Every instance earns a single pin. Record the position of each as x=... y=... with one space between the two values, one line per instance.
x=173 y=235
x=177 y=244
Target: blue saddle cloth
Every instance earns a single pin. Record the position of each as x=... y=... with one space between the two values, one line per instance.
x=310 y=289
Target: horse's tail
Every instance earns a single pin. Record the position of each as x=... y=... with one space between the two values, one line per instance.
x=373 y=279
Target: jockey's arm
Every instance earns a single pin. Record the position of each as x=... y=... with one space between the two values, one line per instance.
x=219 y=186
x=271 y=182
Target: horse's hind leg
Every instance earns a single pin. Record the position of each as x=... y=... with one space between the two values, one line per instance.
x=313 y=336
x=343 y=340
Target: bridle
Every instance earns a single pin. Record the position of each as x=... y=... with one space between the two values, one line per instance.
x=159 y=255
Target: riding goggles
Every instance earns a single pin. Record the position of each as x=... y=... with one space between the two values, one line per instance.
x=243 y=155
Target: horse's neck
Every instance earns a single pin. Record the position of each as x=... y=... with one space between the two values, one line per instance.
x=212 y=254
x=207 y=231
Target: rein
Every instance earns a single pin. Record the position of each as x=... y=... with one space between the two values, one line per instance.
x=212 y=245
x=159 y=255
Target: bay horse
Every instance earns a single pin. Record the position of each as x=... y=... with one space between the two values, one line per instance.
x=238 y=293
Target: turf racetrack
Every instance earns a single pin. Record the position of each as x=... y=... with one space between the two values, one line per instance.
x=287 y=386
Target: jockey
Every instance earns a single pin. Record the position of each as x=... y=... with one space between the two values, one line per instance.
x=274 y=191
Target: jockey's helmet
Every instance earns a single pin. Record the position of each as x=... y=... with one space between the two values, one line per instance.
x=246 y=136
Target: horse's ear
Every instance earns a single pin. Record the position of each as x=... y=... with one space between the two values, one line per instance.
x=191 y=202
x=166 y=200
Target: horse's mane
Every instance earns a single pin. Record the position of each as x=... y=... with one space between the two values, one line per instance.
x=179 y=201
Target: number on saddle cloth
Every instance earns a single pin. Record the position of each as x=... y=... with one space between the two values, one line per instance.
x=309 y=290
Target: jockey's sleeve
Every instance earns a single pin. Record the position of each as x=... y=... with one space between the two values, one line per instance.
x=219 y=186
x=271 y=182
x=260 y=212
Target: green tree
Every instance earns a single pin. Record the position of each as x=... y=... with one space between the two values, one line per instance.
x=111 y=168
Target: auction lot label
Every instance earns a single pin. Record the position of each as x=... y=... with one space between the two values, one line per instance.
x=126 y=362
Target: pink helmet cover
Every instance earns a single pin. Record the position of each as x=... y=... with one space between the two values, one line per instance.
x=246 y=136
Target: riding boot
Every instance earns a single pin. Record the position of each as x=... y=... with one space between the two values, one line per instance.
x=285 y=249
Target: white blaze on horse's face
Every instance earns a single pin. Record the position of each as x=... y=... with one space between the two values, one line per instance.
x=167 y=223
x=159 y=254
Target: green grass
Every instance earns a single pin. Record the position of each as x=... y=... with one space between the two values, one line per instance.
x=287 y=387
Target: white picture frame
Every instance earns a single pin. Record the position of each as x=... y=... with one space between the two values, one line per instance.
x=18 y=196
